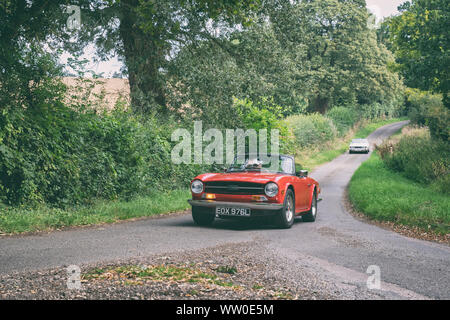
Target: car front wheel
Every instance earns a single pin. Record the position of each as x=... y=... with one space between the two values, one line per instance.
x=286 y=217
x=202 y=218
x=311 y=215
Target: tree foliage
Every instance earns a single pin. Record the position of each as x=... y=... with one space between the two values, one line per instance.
x=425 y=109
x=145 y=33
x=308 y=56
x=55 y=152
x=195 y=56
x=420 y=39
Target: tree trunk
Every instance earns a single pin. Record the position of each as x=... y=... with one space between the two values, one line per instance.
x=144 y=55
x=320 y=104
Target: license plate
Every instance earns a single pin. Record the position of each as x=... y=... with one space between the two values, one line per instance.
x=230 y=211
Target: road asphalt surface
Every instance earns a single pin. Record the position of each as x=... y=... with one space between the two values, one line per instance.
x=337 y=247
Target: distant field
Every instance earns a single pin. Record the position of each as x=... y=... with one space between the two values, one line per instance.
x=110 y=90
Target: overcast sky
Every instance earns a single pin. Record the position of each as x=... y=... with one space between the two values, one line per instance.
x=381 y=8
x=385 y=7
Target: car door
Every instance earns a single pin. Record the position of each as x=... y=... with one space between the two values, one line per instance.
x=301 y=187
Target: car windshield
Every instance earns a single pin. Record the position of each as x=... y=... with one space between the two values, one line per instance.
x=268 y=164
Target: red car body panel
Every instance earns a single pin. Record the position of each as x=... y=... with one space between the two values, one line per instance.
x=303 y=187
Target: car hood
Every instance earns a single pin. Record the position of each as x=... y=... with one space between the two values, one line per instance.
x=255 y=177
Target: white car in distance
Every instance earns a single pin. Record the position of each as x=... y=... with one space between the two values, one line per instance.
x=359 y=146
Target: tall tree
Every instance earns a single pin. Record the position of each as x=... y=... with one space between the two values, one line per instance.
x=320 y=53
x=247 y=63
x=344 y=63
x=145 y=33
x=420 y=40
x=25 y=27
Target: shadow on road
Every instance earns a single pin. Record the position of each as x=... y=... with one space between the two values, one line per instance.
x=232 y=224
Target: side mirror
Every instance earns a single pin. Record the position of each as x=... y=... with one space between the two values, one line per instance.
x=302 y=173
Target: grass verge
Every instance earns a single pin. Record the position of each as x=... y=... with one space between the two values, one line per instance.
x=138 y=275
x=195 y=280
x=312 y=158
x=384 y=195
x=19 y=220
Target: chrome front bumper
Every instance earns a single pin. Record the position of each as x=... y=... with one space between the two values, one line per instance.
x=254 y=206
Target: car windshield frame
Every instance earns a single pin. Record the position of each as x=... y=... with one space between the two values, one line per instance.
x=235 y=167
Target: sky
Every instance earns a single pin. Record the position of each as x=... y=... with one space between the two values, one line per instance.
x=384 y=8
x=381 y=8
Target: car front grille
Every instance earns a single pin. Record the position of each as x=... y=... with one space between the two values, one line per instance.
x=234 y=187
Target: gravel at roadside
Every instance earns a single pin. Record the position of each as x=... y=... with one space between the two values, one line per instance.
x=242 y=271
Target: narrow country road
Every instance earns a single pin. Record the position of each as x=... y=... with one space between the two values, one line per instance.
x=337 y=246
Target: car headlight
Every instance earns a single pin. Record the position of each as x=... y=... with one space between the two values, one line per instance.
x=197 y=186
x=271 y=189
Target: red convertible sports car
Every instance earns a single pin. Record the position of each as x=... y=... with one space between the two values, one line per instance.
x=251 y=187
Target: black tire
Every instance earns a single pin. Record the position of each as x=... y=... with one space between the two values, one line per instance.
x=202 y=218
x=285 y=219
x=311 y=215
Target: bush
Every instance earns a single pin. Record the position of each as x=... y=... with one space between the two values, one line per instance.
x=60 y=156
x=55 y=149
x=343 y=118
x=311 y=129
x=417 y=104
x=421 y=159
x=437 y=119
x=264 y=115
x=427 y=109
x=442 y=184
x=377 y=111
